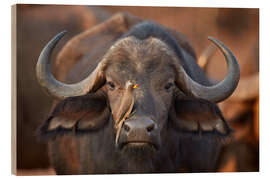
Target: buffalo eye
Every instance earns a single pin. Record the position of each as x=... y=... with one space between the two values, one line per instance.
x=111 y=85
x=168 y=86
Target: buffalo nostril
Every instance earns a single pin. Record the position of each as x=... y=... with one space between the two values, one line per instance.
x=150 y=127
x=126 y=127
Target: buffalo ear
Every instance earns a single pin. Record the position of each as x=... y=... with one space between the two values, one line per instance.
x=199 y=116
x=77 y=114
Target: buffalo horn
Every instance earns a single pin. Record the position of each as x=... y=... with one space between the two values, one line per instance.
x=218 y=92
x=58 y=89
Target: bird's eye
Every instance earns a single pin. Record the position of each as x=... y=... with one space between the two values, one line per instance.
x=168 y=86
x=111 y=85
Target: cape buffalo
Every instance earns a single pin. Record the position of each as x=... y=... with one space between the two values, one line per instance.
x=141 y=103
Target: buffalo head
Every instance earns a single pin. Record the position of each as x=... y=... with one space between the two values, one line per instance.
x=143 y=87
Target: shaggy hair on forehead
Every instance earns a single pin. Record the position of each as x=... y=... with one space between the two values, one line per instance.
x=148 y=29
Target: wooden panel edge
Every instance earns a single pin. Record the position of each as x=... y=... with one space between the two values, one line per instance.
x=14 y=89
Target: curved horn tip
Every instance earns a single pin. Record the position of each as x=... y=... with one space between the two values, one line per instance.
x=212 y=38
x=61 y=34
x=225 y=50
x=52 y=43
x=215 y=40
x=64 y=31
x=221 y=45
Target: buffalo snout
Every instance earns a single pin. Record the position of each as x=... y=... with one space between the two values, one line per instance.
x=142 y=125
x=140 y=132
